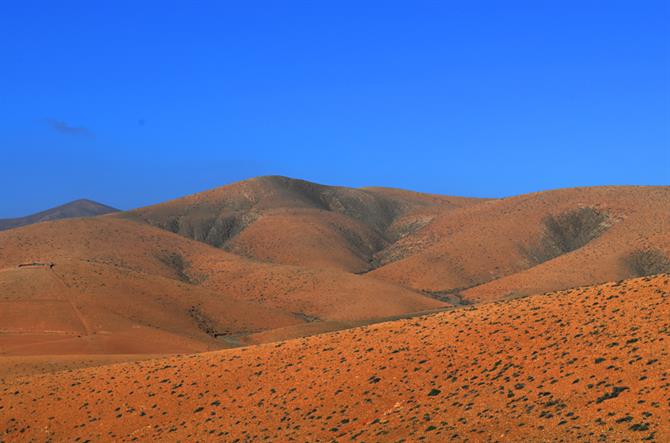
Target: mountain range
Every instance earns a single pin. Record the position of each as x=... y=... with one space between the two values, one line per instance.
x=359 y=288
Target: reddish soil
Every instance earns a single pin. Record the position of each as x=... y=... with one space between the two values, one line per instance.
x=586 y=364
x=472 y=249
x=489 y=247
x=289 y=221
x=303 y=274
x=118 y=286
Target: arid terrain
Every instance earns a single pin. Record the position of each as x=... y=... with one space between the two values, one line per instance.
x=276 y=309
x=586 y=364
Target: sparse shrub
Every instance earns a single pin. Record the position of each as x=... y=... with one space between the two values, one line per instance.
x=176 y=262
x=172 y=225
x=433 y=392
x=616 y=390
x=568 y=232
x=646 y=262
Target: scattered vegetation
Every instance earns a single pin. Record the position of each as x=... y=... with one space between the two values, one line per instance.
x=203 y=321
x=215 y=231
x=585 y=364
x=567 y=232
x=306 y=317
x=452 y=296
x=176 y=262
x=646 y=262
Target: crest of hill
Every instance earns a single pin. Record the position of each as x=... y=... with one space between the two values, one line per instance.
x=585 y=364
x=455 y=249
x=535 y=243
x=77 y=208
x=118 y=286
x=289 y=221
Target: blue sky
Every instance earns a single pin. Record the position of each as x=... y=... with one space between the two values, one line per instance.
x=132 y=103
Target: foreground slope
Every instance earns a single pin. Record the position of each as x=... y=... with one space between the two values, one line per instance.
x=77 y=208
x=289 y=221
x=107 y=285
x=588 y=364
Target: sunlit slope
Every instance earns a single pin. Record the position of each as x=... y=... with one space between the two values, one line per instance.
x=88 y=308
x=443 y=245
x=290 y=221
x=536 y=242
x=158 y=292
x=582 y=365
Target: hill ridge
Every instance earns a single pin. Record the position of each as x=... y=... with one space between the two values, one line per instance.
x=354 y=224
x=82 y=207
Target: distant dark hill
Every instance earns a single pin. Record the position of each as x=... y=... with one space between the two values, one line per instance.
x=77 y=208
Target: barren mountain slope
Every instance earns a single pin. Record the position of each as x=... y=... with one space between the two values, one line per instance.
x=289 y=221
x=443 y=245
x=553 y=240
x=77 y=208
x=117 y=286
x=587 y=364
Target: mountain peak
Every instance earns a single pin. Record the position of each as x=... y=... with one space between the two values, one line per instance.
x=77 y=208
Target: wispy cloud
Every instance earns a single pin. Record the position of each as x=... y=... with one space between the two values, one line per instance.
x=65 y=128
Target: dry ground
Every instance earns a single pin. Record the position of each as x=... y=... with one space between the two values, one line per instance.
x=589 y=364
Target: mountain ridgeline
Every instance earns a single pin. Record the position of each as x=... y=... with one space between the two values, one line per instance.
x=379 y=314
x=273 y=257
x=77 y=208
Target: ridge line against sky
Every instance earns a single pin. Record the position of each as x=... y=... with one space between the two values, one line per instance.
x=132 y=103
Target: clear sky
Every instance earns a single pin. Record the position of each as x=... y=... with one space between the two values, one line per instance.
x=131 y=103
